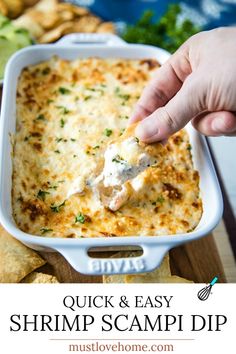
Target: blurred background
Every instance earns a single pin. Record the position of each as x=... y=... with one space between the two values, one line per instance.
x=205 y=13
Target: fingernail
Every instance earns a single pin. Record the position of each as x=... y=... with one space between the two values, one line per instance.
x=132 y=119
x=217 y=125
x=135 y=117
x=164 y=142
x=145 y=129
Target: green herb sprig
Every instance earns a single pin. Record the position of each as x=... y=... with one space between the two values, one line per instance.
x=167 y=32
x=108 y=132
x=64 y=90
x=42 y=194
x=80 y=218
x=57 y=208
x=45 y=230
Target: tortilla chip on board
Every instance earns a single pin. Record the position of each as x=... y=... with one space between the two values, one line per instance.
x=106 y=27
x=56 y=33
x=46 y=20
x=16 y=260
x=76 y=10
x=159 y=275
x=154 y=277
x=46 y=5
x=49 y=20
x=14 y=7
x=3 y=8
x=117 y=279
x=40 y=278
x=27 y=22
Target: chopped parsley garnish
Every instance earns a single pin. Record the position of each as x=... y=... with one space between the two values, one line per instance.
x=93 y=89
x=44 y=230
x=58 y=140
x=122 y=131
x=42 y=194
x=96 y=147
x=124 y=117
x=64 y=90
x=118 y=159
x=108 y=132
x=189 y=148
x=123 y=96
x=64 y=110
x=52 y=186
x=136 y=139
x=46 y=71
x=117 y=90
x=57 y=151
x=72 y=139
x=86 y=98
x=159 y=200
x=80 y=218
x=74 y=156
x=50 y=101
x=62 y=123
x=56 y=208
x=41 y=117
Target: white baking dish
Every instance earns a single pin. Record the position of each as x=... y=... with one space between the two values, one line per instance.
x=75 y=250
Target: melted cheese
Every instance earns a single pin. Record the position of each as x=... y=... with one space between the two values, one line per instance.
x=67 y=114
x=127 y=157
x=117 y=168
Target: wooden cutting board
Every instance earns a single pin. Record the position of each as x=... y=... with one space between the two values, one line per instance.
x=198 y=261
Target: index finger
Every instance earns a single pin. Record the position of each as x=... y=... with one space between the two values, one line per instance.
x=164 y=85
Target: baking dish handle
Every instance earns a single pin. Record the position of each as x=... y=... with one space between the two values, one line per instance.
x=91 y=38
x=80 y=260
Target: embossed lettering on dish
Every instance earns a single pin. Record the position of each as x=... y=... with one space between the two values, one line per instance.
x=117 y=266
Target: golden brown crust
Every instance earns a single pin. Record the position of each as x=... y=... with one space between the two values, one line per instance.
x=67 y=114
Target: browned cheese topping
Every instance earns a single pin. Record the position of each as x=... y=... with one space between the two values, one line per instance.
x=67 y=113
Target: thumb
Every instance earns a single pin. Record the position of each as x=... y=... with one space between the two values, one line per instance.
x=167 y=120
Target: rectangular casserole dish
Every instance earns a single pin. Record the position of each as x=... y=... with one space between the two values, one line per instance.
x=76 y=250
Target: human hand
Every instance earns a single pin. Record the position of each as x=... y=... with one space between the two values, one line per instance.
x=197 y=83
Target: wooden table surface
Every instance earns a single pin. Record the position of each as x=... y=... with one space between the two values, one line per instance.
x=198 y=261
